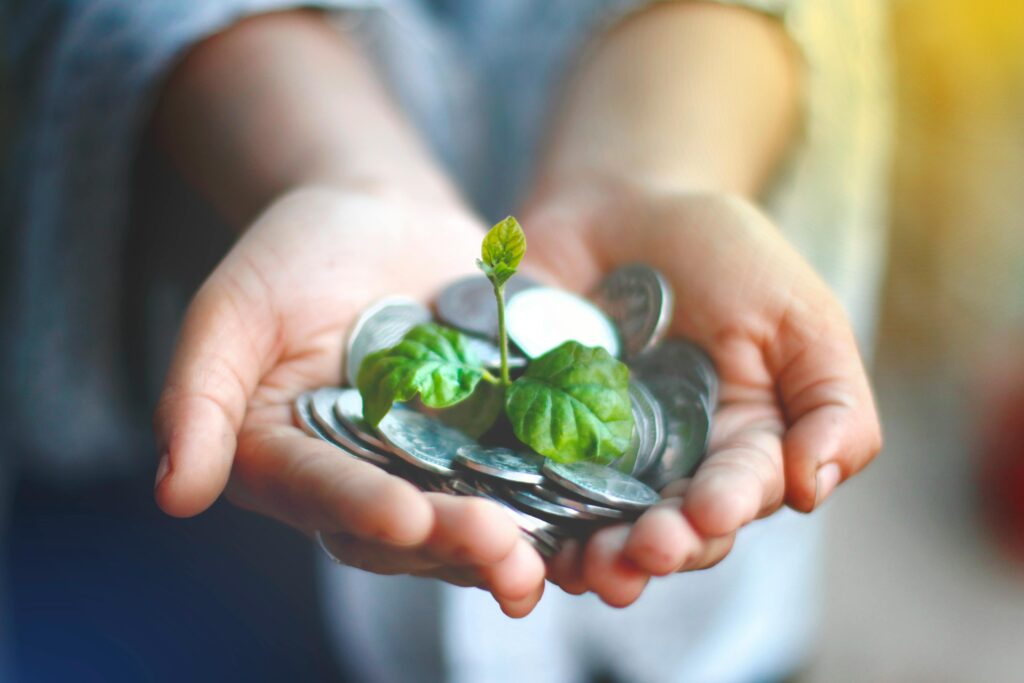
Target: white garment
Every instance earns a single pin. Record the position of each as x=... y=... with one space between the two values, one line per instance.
x=752 y=617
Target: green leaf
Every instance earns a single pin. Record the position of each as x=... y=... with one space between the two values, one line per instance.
x=573 y=404
x=431 y=361
x=503 y=249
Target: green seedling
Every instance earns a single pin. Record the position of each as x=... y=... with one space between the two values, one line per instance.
x=571 y=404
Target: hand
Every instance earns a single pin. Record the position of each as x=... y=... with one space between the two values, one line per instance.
x=796 y=415
x=269 y=323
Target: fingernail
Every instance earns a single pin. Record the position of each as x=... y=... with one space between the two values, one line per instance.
x=828 y=477
x=162 y=469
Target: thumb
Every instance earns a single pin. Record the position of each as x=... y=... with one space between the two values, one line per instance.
x=833 y=425
x=214 y=371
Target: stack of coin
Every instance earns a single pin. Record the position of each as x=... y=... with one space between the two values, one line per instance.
x=673 y=390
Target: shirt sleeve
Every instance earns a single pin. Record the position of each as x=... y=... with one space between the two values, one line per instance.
x=84 y=76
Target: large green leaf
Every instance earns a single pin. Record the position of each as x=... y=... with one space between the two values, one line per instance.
x=503 y=249
x=573 y=404
x=431 y=361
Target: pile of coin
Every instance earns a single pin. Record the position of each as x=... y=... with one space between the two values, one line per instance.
x=673 y=389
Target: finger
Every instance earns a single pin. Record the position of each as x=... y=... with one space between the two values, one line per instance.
x=743 y=478
x=470 y=531
x=834 y=430
x=387 y=560
x=216 y=367
x=377 y=558
x=711 y=552
x=676 y=489
x=282 y=473
x=565 y=569
x=616 y=580
x=463 y=577
x=516 y=577
x=662 y=540
x=517 y=609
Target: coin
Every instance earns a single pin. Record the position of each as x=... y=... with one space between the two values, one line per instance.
x=639 y=438
x=421 y=440
x=322 y=402
x=305 y=417
x=469 y=304
x=626 y=463
x=381 y=326
x=682 y=362
x=647 y=413
x=639 y=300
x=682 y=378
x=516 y=466
x=601 y=484
x=688 y=426
x=546 y=508
x=349 y=410
x=302 y=413
x=583 y=506
x=542 y=318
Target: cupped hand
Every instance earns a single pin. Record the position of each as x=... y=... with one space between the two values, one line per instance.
x=269 y=323
x=796 y=414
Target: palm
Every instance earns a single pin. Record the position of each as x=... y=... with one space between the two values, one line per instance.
x=269 y=324
x=793 y=392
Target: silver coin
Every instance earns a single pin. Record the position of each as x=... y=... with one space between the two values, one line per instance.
x=688 y=427
x=680 y=362
x=349 y=410
x=322 y=402
x=576 y=504
x=639 y=300
x=542 y=318
x=305 y=417
x=302 y=414
x=467 y=487
x=535 y=504
x=648 y=440
x=521 y=467
x=683 y=380
x=381 y=326
x=650 y=415
x=601 y=484
x=421 y=440
x=469 y=304
x=626 y=463
x=490 y=355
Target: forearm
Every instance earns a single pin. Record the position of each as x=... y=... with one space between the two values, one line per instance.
x=682 y=95
x=281 y=101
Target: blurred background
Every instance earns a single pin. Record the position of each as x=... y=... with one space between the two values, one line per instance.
x=925 y=566
x=926 y=549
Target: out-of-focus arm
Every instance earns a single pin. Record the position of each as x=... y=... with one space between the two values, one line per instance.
x=683 y=95
x=280 y=101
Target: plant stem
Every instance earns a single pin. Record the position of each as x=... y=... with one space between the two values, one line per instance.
x=499 y=293
x=491 y=379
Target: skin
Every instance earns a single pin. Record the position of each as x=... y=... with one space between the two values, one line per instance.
x=331 y=220
x=681 y=167
x=329 y=188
